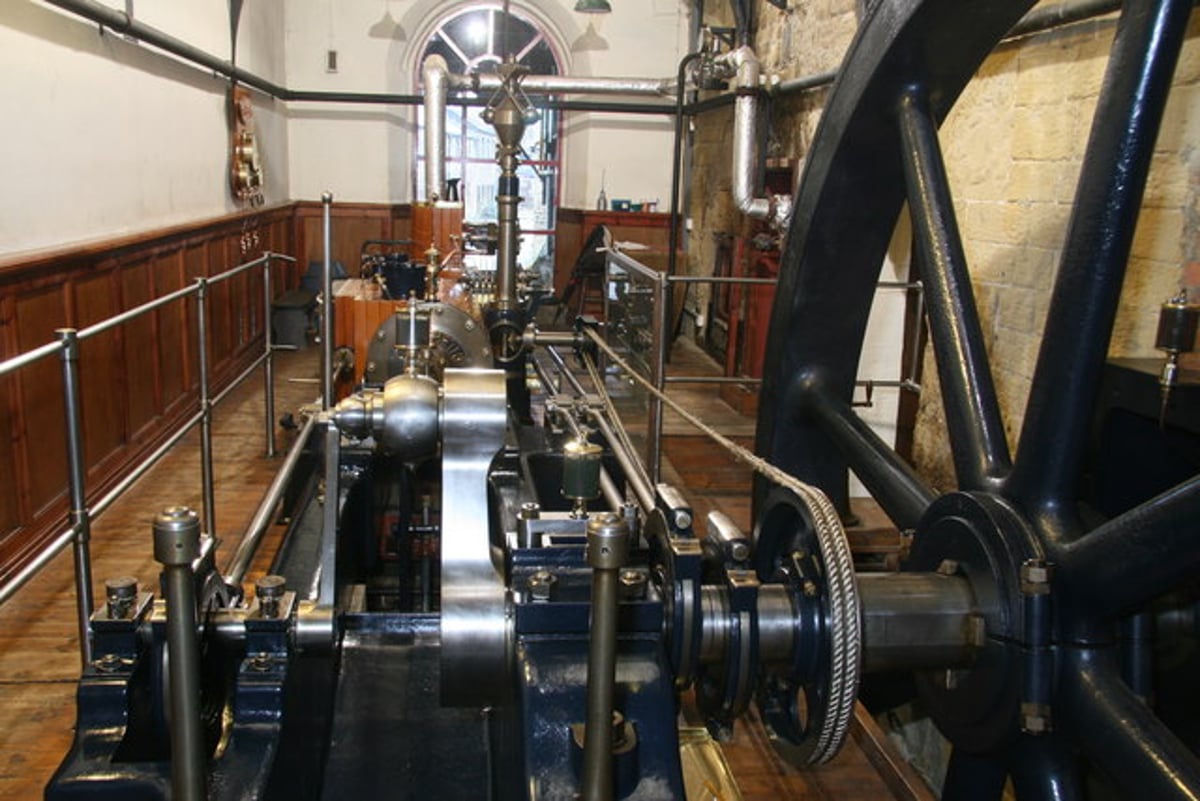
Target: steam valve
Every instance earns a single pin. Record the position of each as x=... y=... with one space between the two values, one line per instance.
x=1177 y=324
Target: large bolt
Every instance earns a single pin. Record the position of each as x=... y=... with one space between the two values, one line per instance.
x=121 y=594
x=269 y=590
x=1036 y=575
x=1035 y=719
x=633 y=584
x=541 y=585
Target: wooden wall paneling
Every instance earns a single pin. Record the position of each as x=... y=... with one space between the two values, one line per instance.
x=141 y=378
x=254 y=304
x=568 y=239
x=11 y=512
x=574 y=225
x=103 y=392
x=220 y=302
x=170 y=330
x=401 y=222
x=140 y=348
x=238 y=292
x=40 y=424
x=352 y=224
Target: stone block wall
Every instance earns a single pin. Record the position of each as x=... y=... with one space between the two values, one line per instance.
x=1013 y=146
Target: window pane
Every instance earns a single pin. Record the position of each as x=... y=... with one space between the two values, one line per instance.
x=471 y=32
x=437 y=46
x=519 y=34
x=475 y=40
x=541 y=60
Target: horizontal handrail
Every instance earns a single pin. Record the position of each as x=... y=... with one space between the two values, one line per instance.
x=29 y=357
x=719 y=279
x=124 y=484
x=9 y=588
x=242 y=376
x=135 y=312
x=241 y=268
x=50 y=348
x=67 y=346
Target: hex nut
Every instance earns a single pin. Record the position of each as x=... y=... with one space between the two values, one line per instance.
x=541 y=585
x=633 y=584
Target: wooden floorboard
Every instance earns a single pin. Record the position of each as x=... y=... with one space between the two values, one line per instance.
x=39 y=656
x=39 y=646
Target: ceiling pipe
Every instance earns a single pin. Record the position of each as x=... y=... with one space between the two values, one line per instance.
x=568 y=84
x=126 y=25
x=437 y=81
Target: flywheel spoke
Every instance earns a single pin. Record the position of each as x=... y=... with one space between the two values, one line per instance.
x=1137 y=556
x=1084 y=303
x=973 y=777
x=1045 y=769
x=1122 y=735
x=890 y=480
x=968 y=392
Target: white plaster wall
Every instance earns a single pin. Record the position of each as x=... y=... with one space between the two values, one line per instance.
x=104 y=136
x=364 y=153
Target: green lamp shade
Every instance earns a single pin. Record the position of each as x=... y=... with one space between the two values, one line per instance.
x=593 y=6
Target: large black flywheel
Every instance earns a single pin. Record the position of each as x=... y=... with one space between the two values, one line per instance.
x=1047 y=690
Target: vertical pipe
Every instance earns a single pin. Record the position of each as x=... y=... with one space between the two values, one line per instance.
x=327 y=305
x=659 y=377
x=268 y=362
x=206 y=406
x=176 y=546
x=745 y=136
x=76 y=476
x=435 y=76
x=676 y=168
x=607 y=547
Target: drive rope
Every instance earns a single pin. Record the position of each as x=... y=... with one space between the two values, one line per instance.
x=838 y=563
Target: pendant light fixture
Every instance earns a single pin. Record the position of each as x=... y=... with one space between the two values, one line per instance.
x=593 y=7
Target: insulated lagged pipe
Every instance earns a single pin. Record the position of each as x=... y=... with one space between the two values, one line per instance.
x=745 y=143
x=745 y=138
x=435 y=78
x=570 y=84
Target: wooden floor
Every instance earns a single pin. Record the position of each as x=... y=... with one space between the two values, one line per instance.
x=39 y=656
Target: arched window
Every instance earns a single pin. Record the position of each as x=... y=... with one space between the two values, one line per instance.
x=476 y=39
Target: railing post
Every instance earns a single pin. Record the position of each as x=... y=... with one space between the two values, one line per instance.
x=76 y=477
x=659 y=375
x=206 y=466
x=268 y=361
x=327 y=306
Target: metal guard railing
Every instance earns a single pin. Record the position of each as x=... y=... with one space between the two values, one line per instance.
x=78 y=533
